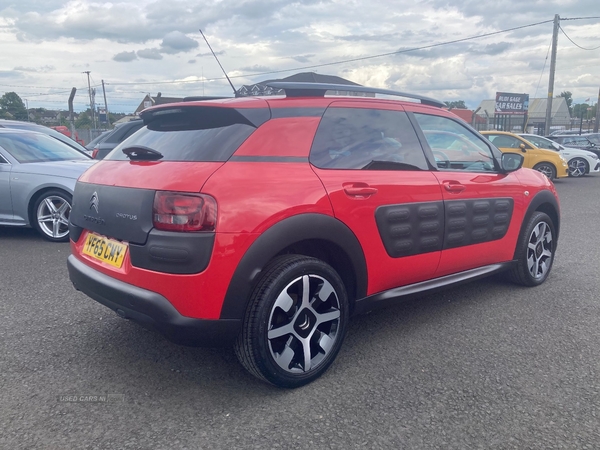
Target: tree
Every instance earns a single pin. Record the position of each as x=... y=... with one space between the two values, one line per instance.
x=583 y=110
x=11 y=106
x=84 y=120
x=569 y=99
x=460 y=104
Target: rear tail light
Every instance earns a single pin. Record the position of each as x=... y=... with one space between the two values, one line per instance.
x=95 y=152
x=177 y=211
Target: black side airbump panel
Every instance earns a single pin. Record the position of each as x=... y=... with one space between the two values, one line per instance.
x=475 y=221
x=411 y=228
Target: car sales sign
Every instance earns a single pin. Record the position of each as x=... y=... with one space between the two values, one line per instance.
x=508 y=103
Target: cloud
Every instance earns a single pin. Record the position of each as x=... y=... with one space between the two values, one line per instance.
x=43 y=69
x=192 y=61
x=219 y=53
x=177 y=42
x=150 y=53
x=125 y=57
x=256 y=68
x=305 y=59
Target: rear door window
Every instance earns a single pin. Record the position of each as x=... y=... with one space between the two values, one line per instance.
x=370 y=139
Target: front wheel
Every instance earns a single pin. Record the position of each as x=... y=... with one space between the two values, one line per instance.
x=51 y=213
x=578 y=167
x=547 y=169
x=535 y=251
x=295 y=322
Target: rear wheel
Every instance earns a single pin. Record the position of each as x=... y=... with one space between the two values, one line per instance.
x=578 y=167
x=547 y=169
x=51 y=213
x=295 y=322
x=535 y=251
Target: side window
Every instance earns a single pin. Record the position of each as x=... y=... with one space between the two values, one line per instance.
x=454 y=146
x=370 y=139
x=504 y=141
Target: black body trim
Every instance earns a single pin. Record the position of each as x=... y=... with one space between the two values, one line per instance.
x=173 y=252
x=150 y=309
x=396 y=295
x=537 y=202
x=415 y=228
x=288 y=159
x=411 y=228
x=477 y=220
x=283 y=235
x=284 y=113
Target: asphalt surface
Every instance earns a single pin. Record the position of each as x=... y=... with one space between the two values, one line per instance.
x=487 y=365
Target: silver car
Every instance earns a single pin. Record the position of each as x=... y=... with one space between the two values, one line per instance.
x=37 y=178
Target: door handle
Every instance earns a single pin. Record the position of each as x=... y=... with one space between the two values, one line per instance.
x=453 y=186
x=359 y=189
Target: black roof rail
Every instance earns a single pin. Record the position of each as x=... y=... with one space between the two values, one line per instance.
x=198 y=98
x=293 y=89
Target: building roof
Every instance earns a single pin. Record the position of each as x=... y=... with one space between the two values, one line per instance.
x=467 y=115
x=153 y=101
x=261 y=87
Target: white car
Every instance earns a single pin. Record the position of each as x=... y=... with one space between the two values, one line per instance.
x=581 y=162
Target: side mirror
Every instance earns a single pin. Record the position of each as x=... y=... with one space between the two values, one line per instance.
x=522 y=147
x=556 y=145
x=511 y=161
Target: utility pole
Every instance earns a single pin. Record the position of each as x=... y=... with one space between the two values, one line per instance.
x=71 y=97
x=597 y=113
x=105 y=105
x=91 y=99
x=552 y=70
x=27 y=103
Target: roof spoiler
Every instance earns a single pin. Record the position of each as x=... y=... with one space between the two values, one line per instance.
x=293 y=89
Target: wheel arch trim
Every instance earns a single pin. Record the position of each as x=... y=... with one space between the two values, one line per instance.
x=290 y=231
x=543 y=201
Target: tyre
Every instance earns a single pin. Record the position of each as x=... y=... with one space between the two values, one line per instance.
x=295 y=322
x=535 y=251
x=578 y=167
x=51 y=213
x=547 y=169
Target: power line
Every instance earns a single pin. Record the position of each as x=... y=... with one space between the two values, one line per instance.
x=575 y=44
x=398 y=52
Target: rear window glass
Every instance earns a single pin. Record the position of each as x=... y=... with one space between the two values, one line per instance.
x=366 y=139
x=204 y=135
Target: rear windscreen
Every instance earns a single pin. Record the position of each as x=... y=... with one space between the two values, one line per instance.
x=190 y=134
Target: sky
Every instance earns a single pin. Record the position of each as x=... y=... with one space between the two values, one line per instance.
x=438 y=48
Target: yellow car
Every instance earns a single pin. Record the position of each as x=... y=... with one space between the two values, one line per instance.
x=550 y=163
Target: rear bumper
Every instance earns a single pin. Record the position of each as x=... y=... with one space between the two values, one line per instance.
x=150 y=309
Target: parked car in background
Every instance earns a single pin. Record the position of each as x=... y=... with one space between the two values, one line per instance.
x=114 y=137
x=46 y=130
x=581 y=142
x=593 y=137
x=581 y=162
x=549 y=162
x=37 y=178
x=265 y=222
x=65 y=130
x=564 y=132
x=90 y=145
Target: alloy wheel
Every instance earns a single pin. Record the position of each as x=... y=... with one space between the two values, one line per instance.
x=539 y=250
x=304 y=324
x=53 y=216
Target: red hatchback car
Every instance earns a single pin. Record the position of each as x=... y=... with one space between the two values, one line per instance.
x=266 y=222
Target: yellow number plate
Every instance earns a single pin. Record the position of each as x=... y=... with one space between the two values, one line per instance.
x=105 y=249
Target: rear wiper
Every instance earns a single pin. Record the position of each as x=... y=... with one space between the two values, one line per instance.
x=140 y=153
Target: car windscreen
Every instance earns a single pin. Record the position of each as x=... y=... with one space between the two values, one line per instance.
x=36 y=147
x=203 y=134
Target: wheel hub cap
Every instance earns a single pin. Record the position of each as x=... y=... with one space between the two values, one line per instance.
x=305 y=323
